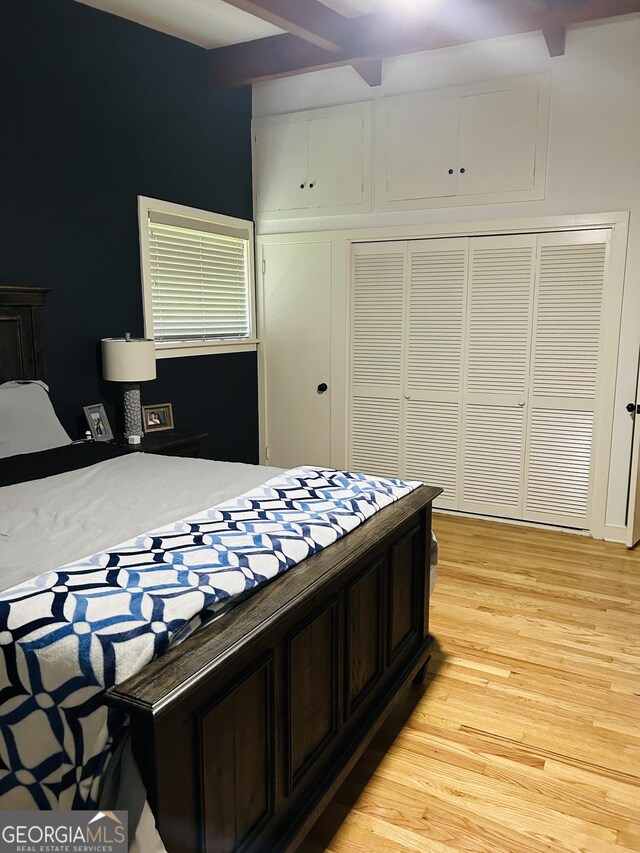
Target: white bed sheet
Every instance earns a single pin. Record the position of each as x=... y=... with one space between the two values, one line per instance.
x=45 y=524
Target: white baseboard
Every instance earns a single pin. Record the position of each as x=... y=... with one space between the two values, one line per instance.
x=611 y=532
x=515 y=521
x=615 y=533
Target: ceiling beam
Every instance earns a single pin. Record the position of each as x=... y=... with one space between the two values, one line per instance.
x=555 y=40
x=377 y=36
x=370 y=70
x=310 y=20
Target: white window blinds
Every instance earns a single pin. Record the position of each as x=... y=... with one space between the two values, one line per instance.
x=200 y=279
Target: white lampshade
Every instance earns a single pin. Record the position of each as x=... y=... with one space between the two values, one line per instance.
x=128 y=359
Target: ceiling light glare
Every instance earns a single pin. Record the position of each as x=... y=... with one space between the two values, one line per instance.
x=411 y=6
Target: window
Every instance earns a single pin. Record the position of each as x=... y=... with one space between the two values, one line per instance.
x=197 y=280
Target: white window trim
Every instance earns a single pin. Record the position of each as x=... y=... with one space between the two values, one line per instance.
x=176 y=349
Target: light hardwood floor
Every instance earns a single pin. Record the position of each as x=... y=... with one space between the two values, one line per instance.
x=526 y=736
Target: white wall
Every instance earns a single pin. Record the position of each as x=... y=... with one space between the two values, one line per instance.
x=594 y=157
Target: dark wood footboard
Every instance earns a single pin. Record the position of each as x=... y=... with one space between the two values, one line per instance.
x=244 y=731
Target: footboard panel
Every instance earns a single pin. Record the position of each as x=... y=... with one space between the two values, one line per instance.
x=244 y=732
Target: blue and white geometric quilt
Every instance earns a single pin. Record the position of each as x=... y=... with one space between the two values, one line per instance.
x=69 y=635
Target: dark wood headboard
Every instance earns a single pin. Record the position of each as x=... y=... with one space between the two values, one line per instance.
x=21 y=337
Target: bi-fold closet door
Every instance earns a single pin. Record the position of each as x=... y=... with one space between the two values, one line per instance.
x=475 y=367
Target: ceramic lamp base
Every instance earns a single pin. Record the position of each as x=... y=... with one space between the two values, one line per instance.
x=132 y=411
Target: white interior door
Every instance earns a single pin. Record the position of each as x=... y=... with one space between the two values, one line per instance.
x=500 y=298
x=433 y=386
x=566 y=374
x=633 y=518
x=296 y=336
x=378 y=280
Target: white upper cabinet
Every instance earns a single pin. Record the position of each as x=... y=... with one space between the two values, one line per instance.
x=497 y=147
x=315 y=163
x=467 y=146
x=425 y=168
x=282 y=165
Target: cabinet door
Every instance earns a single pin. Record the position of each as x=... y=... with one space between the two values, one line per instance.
x=281 y=168
x=296 y=336
x=498 y=141
x=421 y=145
x=335 y=161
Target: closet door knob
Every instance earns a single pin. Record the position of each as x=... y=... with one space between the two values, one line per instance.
x=632 y=408
x=462 y=171
x=302 y=186
x=521 y=403
x=311 y=185
x=451 y=171
x=322 y=387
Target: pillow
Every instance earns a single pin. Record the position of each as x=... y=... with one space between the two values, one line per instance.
x=27 y=420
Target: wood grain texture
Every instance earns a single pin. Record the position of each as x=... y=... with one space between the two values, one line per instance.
x=526 y=736
x=21 y=333
x=376 y=36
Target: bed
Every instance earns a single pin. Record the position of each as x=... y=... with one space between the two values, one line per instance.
x=243 y=731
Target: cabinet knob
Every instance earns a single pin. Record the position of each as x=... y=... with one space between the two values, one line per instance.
x=302 y=186
x=462 y=171
x=311 y=185
x=451 y=171
x=322 y=387
x=632 y=408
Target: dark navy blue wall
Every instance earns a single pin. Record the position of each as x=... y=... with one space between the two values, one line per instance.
x=95 y=111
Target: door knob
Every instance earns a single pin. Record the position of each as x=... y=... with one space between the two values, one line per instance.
x=322 y=387
x=521 y=403
x=633 y=409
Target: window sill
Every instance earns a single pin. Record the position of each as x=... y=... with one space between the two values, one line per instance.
x=178 y=350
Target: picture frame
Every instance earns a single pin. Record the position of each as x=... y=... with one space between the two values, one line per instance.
x=99 y=425
x=157 y=417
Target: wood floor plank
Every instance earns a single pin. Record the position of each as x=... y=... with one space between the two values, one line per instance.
x=526 y=735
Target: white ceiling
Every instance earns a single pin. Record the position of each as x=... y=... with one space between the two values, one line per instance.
x=212 y=23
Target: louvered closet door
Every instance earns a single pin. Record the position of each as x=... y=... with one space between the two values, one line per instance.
x=499 y=311
x=377 y=355
x=565 y=377
x=433 y=389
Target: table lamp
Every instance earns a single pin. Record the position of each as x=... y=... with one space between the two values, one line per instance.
x=129 y=360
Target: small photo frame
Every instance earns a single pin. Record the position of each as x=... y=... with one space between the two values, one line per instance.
x=98 y=422
x=157 y=417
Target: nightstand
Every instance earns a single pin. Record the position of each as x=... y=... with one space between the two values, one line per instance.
x=167 y=442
